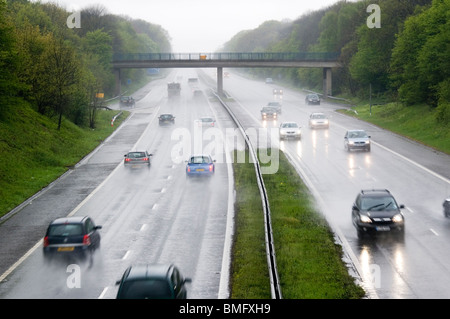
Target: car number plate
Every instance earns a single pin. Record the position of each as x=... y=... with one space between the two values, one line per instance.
x=383 y=228
x=200 y=169
x=65 y=248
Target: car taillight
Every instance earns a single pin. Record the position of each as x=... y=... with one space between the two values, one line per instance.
x=145 y=159
x=211 y=168
x=86 y=240
x=189 y=169
x=127 y=160
x=45 y=241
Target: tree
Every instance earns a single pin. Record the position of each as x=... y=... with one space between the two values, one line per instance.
x=9 y=84
x=61 y=70
x=421 y=56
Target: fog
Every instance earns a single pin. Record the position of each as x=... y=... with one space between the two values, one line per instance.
x=202 y=26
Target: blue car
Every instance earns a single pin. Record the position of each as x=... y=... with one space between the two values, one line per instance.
x=200 y=165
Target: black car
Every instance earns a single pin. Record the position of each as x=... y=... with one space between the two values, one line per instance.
x=312 y=99
x=137 y=158
x=127 y=101
x=166 y=119
x=376 y=210
x=152 y=281
x=268 y=112
x=71 y=237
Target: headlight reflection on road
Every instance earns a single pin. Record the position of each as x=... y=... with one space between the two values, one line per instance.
x=351 y=165
x=299 y=149
x=371 y=272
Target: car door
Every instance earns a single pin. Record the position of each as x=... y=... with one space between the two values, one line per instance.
x=93 y=233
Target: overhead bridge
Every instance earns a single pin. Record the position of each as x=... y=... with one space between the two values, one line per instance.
x=324 y=60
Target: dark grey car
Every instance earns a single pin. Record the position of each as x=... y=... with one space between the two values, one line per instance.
x=376 y=210
x=268 y=113
x=71 y=237
x=312 y=99
x=137 y=158
x=152 y=281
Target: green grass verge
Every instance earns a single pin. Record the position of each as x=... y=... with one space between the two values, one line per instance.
x=416 y=122
x=34 y=153
x=309 y=261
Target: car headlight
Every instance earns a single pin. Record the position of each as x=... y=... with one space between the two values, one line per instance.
x=364 y=219
x=351 y=142
x=397 y=218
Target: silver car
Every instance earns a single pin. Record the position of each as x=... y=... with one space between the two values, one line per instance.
x=357 y=140
x=318 y=120
x=290 y=130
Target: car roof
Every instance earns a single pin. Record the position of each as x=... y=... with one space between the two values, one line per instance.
x=204 y=155
x=375 y=192
x=140 y=271
x=289 y=123
x=69 y=220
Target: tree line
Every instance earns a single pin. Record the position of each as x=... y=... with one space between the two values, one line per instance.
x=59 y=70
x=406 y=59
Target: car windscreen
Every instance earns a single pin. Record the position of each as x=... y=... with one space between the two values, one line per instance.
x=199 y=159
x=357 y=134
x=378 y=203
x=136 y=154
x=65 y=230
x=318 y=116
x=145 y=289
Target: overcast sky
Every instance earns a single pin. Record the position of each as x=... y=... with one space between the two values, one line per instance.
x=202 y=25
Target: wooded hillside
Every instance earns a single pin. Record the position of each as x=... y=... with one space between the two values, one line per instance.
x=407 y=59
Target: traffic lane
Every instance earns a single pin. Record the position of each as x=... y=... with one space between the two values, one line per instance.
x=106 y=210
x=338 y=176
x=26 y=225
x=355 y=168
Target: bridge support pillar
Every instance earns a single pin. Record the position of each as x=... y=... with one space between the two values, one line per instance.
x=220 y=81
x=327 y=82
x=118 y=89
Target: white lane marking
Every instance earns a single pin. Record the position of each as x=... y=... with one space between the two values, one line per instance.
x=414 y=163
x=17 y=263
x=103 y=293
x=434 y=232
x=155 y=206
x=143 y=227
x=126 y=255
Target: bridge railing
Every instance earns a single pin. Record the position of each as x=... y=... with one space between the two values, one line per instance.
x=229 y=56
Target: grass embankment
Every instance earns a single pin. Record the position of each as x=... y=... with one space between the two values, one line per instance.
x=416 y=122
x=34 y=153
x=308 y=259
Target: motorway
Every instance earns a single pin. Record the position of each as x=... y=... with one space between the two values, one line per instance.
x=148 y=215
x=417 y=266
x=156 y=215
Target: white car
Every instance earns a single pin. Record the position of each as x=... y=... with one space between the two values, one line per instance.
x=318 y=120
x=290 y=130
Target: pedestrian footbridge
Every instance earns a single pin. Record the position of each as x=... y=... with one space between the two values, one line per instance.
x=220 y=60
